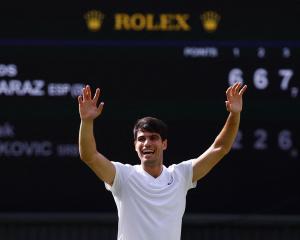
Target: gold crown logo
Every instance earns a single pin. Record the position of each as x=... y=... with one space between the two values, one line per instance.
x=94 y=20
x=210 y=21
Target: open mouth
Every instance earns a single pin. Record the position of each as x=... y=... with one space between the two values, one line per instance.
x=148 y=152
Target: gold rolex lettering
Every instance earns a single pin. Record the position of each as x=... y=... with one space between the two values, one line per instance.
x=182 y=21
x=165 y=22
x=122 y=21
x=151 y=25
x=151 y=22
x=138 y=22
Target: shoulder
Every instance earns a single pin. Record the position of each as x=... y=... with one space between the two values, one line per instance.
x=123 y=165
x=123 y=172
x=182 y=166
x=184 y=172
x=125 y=169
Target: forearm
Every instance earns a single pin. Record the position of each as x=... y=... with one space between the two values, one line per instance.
x=226 y=137
x=87 y=143
x=224 y=141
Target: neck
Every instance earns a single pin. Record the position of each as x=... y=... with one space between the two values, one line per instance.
x=154 y=171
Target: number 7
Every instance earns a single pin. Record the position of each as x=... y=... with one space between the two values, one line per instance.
x=286 y=75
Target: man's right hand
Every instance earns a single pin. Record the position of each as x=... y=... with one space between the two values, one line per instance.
x=88 y=108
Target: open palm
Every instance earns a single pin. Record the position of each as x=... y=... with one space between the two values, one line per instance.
x=88 y=108
x=234 y=96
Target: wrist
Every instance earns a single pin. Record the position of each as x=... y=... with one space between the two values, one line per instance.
x=87 y=121
x=235 y=113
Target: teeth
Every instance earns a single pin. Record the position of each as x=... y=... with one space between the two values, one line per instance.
x=148 y=151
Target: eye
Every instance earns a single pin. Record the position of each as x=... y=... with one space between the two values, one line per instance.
x=154 y=137
x=141 y=139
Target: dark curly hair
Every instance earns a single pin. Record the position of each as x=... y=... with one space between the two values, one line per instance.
x=151 y=124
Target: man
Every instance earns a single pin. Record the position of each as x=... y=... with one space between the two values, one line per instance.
x=150 y=197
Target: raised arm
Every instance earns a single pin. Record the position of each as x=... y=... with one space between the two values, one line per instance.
x=223 y=142
x=89 y=111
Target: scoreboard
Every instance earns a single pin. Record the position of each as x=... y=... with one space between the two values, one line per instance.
x=173 y=62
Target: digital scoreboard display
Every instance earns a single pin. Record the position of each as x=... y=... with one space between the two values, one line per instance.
x=172 y=62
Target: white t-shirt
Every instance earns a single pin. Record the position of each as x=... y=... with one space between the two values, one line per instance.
x=151 y=208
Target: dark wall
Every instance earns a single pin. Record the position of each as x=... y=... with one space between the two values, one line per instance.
x=178 y=71
x=103 y=226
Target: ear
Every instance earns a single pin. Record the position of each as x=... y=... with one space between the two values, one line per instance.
x=165 y=144
x=134 y=143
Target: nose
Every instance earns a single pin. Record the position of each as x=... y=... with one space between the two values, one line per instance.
x=147 y=142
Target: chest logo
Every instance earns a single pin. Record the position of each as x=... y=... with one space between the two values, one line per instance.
x=171 y=180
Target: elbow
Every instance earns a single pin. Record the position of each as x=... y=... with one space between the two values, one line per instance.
x=83 y=156
x=221 y=150
x=225 y=150
x=87 y=156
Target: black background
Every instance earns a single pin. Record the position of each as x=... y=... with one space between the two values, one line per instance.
x=145 y=73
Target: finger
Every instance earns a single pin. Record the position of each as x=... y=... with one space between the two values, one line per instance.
x=243 y=90
x=227 y=105
x=96 y=96
x=84 y=94
x=228 y=91
x=231 y=91
x=100 y=107
x=235 y=88
x=88 y=92
x=79 y=100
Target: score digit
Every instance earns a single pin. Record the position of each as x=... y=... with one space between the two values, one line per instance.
x=235 y=75
x=260 y=78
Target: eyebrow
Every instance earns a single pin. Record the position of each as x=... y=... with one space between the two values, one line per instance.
x=150 y=136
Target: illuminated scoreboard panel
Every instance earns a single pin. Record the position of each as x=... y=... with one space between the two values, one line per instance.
x=182 y=84
x=148 y=61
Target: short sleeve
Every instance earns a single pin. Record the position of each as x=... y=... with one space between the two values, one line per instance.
x=122 y=173
x=185 y=169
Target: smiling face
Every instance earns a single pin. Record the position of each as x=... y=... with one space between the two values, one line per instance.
x=149 y=147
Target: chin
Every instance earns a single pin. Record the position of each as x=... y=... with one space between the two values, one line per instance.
x=150 y=161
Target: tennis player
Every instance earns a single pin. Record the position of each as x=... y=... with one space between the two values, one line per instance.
x=151 y=197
